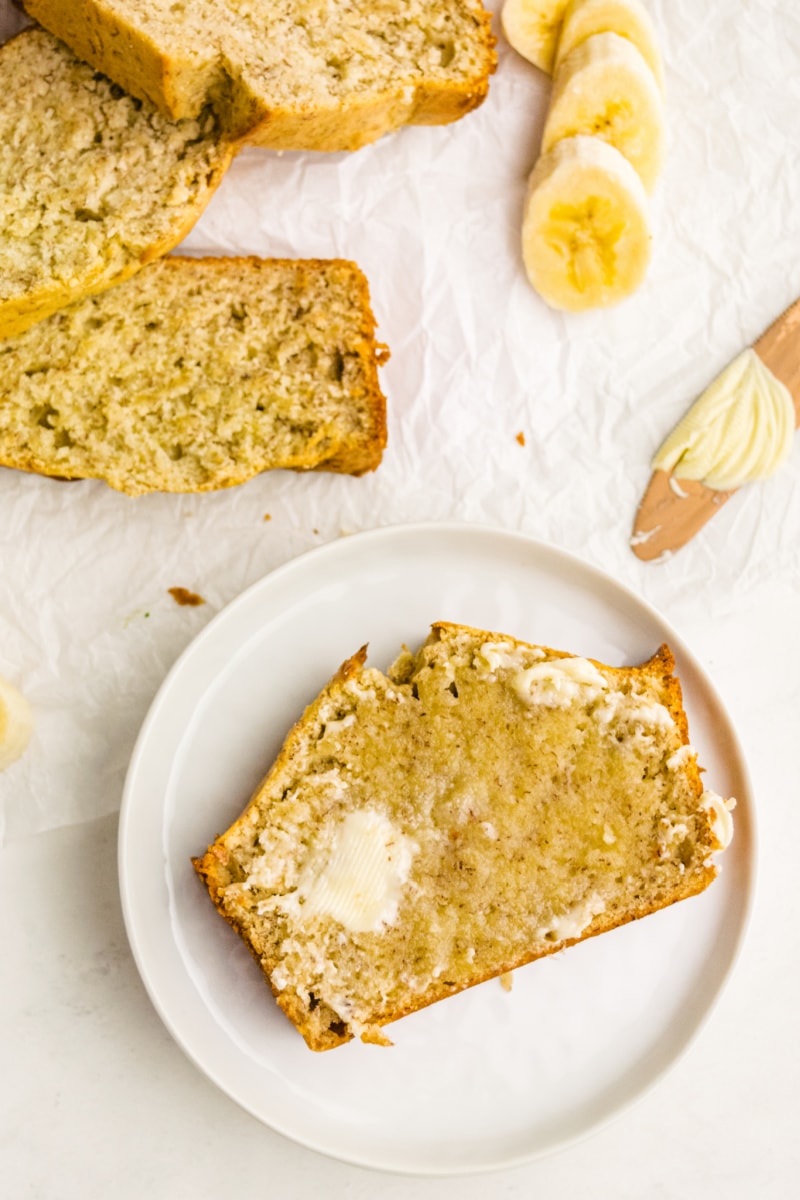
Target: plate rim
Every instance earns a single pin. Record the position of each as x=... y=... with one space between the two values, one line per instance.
x=299 y=563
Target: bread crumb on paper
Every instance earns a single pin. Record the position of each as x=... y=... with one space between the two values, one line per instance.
x=185 y=598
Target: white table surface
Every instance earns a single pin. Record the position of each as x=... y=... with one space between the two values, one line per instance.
x=96 y=1098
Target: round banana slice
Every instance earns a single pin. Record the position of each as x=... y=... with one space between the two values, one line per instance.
x=532 y=27
x=605 y=89
x=16 y=723
x=586 y=235
x=628 y=18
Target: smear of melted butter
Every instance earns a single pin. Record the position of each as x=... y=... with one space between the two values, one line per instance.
x=739 y=430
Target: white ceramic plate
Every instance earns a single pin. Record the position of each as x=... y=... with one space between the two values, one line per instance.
x=489 y=1078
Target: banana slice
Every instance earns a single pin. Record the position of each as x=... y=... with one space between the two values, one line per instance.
x=628 y=18
x=16 y=723
x=605 y=89
x=585 y=235
x=532 y=27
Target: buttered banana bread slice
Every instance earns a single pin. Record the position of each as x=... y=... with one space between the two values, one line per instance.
x=485 y=803
x=198 y=374
x=93 y=183
x=290 y=74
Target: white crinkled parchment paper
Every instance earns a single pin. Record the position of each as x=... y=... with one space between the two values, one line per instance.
x=87 y=627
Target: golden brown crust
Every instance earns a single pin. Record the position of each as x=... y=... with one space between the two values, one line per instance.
x=366 y=455
x=179 y=88
x=100 y=36
x=363 y=120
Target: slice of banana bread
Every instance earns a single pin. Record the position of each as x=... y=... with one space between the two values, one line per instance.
x=484 y=804
x=197 y=374
x=291 y=74
x=93 y=183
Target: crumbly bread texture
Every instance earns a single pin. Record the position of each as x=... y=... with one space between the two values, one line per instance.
x=198 y=374
x=289 y=74
x=484 y=804
x=93 y=183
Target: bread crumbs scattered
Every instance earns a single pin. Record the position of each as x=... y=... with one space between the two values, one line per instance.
x=507 y=981
x=521 y=438
x=184 y=597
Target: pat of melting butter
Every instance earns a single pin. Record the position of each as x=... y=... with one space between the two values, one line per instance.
x=357 y=876
x=559 y=682
x=740 y=430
